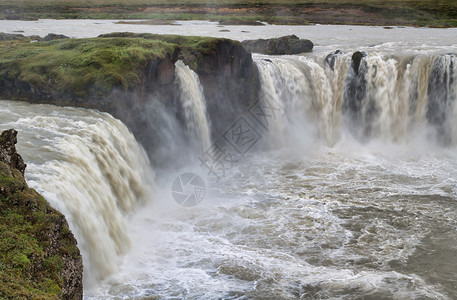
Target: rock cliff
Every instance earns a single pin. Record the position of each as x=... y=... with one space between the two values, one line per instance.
x=39 y=258
x=130 y=75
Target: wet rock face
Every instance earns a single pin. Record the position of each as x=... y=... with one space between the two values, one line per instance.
x=441 y=96
x=356 y=60
x=51 y=264
x=358 y=119
x=8 y=153
x=227 y=73
x=331 y=58
x=289 y=44
x=230 y=82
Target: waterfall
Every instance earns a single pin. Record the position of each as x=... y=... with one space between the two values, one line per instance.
x=89 y=166
x=385 y=96
x=193 y=104
x=295 y=90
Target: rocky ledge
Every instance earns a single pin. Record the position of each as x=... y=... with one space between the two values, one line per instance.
x=39 y=258
x=130 y=76
x=289 y=44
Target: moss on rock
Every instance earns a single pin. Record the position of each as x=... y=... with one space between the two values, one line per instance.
x=123 y=73
x=39 y=257
x=81 y=67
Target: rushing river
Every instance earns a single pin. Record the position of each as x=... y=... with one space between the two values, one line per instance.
x=337 y=198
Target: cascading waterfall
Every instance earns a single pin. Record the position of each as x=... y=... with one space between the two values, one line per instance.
x=193 y=104
x=91 y=168
x=97 y=176
x=293 y=218
x=385 y=97
x=441 y=92
x=294 y=90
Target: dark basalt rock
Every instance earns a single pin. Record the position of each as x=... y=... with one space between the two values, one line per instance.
x=440 y=96
x=230 y=82
x=15 y=36
x=53 y=36
x=360 y=109
x=331 y=58
x=356 y=59
x=8 y=153
x=10 y=36
x=227 y=73
x=289 y=44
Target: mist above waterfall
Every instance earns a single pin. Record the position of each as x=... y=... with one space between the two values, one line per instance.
x=387 y=97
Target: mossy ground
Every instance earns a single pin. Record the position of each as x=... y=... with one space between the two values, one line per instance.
x=389 y=12
x=26 y=271
x=80 y=67
x=90 y=67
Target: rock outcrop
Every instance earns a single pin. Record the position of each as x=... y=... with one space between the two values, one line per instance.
x=331 y=58
x=289 y=44
x=16 y=36
x=230 y=81
x=360 y=110
x=133 y=78
x=39 y=258
x=357 y=59
x=53 y=36
x=8 y=152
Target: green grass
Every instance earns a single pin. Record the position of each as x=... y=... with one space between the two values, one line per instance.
x=26 y=271
x=192 y=49
x=81 y=67
x=417 y=12
x=93 y=67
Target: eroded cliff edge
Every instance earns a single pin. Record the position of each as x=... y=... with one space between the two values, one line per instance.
x=39 y=258
x=131 y=76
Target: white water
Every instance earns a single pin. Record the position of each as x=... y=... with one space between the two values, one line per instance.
x=398 y=94
x=194 y=105
x=345 y=205
x=89 y=166
x=375 y=218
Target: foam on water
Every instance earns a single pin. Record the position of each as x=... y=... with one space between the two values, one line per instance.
x=335 y=224
x=343 y=221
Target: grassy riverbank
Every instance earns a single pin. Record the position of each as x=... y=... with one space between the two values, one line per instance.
x=367 y=12
x=80 y=67
x=94 y=66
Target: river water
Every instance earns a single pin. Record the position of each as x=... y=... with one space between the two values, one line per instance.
x=329 y=202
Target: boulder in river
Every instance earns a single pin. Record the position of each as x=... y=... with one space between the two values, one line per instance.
x=356 y=59
x=331 y=58
x=290 y=44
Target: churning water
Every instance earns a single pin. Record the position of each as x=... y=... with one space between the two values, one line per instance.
x=353 y=195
